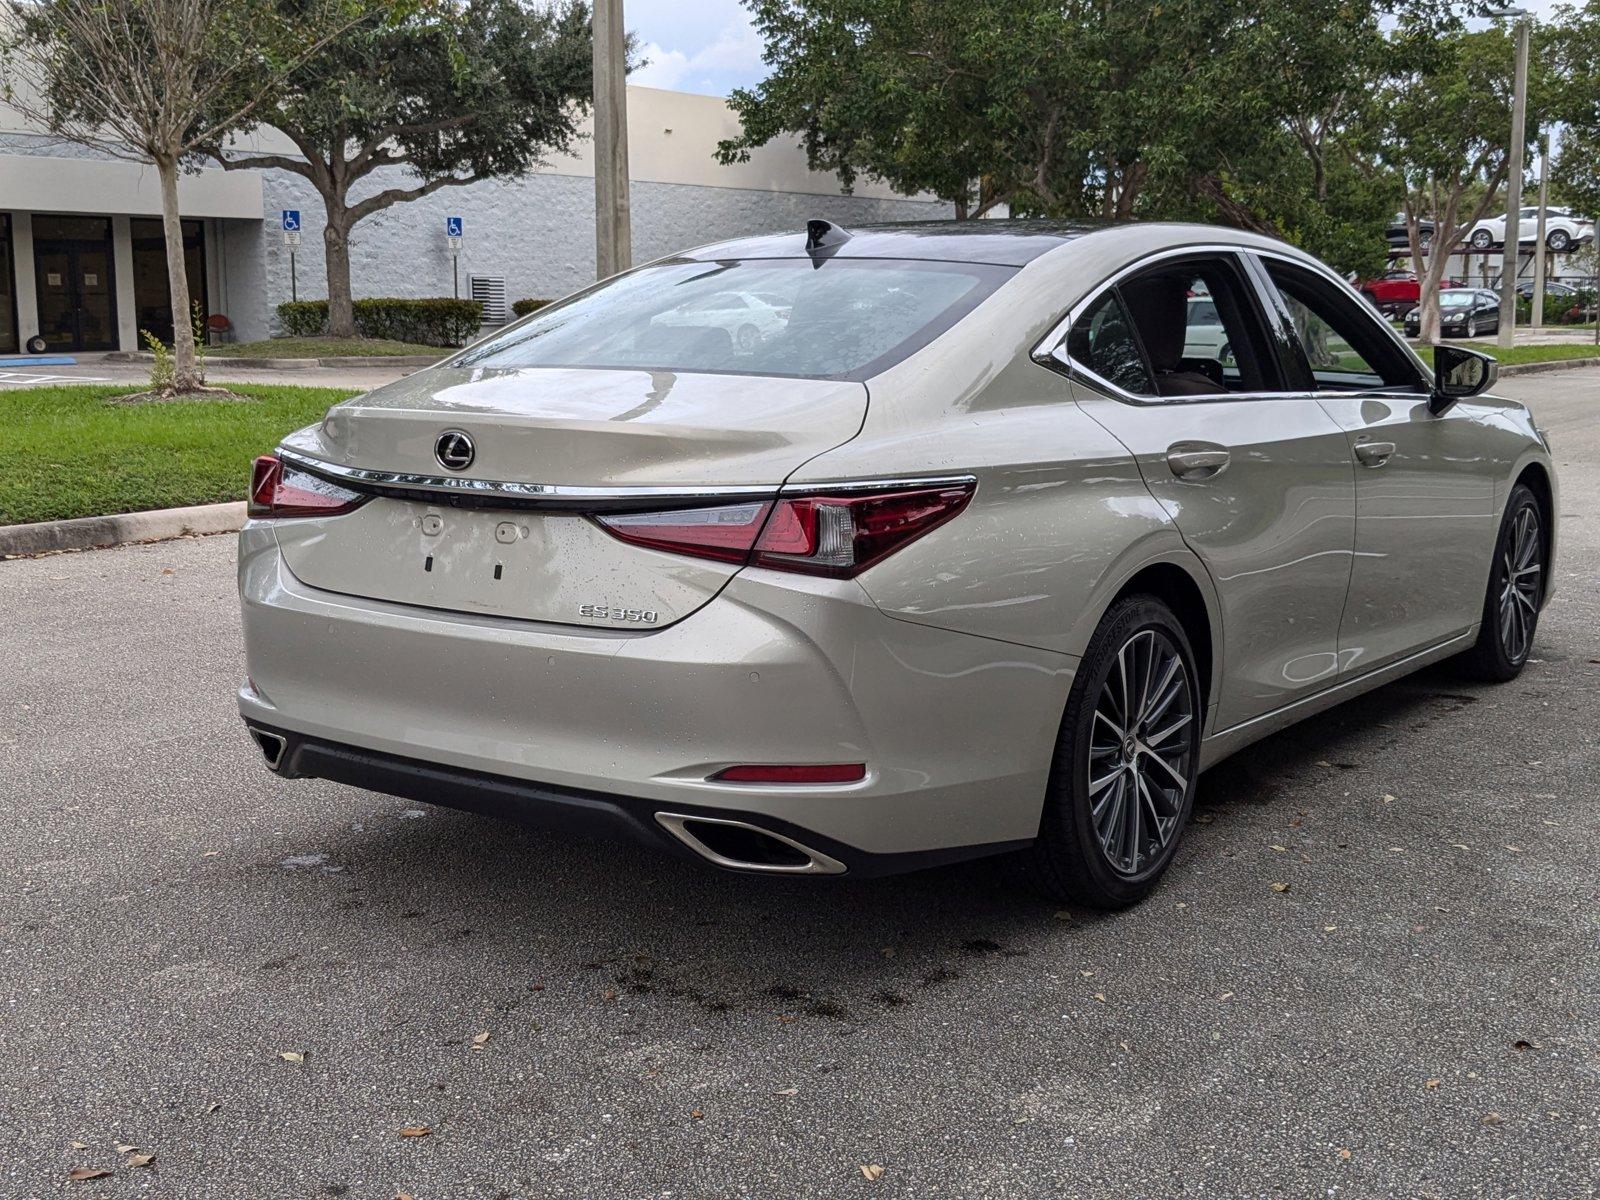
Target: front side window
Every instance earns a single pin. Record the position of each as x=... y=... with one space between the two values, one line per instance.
x=838 y=318
x=1344 y=348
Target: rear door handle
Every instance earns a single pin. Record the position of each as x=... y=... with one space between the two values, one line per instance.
x=1374 y=454
x=1196 y=460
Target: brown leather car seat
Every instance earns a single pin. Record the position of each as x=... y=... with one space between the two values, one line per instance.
x=1159 y=308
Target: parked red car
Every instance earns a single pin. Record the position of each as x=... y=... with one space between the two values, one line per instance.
x=1396 y=292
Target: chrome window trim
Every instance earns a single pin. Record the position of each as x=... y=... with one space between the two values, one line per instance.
x=1045 y=350
x=548 y=495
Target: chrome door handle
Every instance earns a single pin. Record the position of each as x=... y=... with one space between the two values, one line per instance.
x=1374 y=454
x=1196 y=461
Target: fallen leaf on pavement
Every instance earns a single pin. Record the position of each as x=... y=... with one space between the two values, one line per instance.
x=1493 y=1118
x=1281 y=849
x=1515 y=849
x=79 y=1145
x=291 y=1056
x=125 y=1148
x=414 y=1131
x=140 y=1160
x=480 y=1039
x=1280 y=887
x=1431 y=1084
x=872 y=1171
x=79 y=1174
x=695 y=1114
x=787 y=1092
x=1100 y=996
x=1344 y=1154
x=1389 y=798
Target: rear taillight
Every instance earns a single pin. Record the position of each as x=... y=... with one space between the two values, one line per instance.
x=834 y=535
x=279 y=489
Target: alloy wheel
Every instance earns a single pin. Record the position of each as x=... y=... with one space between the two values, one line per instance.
x=1559 y=239
x=1140 y=748
x=1520 y=582
x=1472 y=327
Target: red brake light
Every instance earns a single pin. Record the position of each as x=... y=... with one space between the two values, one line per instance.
x=726 y=533
x=819 y=773
x=834 y=535
x=279 y=489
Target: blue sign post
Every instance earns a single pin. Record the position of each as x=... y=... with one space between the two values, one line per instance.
x=290 y=219
x=452 y=236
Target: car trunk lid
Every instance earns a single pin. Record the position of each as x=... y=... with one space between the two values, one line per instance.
x=507 y=535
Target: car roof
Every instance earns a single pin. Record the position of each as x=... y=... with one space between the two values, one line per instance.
x=1004 y=242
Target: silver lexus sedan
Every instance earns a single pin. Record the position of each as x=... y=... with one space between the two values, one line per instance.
x=969 y=554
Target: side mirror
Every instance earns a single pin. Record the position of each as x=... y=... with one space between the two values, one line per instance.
x=1459 y=373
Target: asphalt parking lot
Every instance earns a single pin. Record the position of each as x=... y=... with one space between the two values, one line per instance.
x=263 y=984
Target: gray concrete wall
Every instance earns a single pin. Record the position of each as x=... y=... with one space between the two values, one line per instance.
x=537 y=232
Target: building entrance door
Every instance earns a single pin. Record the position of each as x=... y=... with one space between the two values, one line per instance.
x=73 y=266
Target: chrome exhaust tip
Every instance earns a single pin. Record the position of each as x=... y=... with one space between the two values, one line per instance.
x=741 y=846
x=272 y=745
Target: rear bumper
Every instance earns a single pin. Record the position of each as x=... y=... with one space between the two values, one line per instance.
x=520 y=717
x=589 y=813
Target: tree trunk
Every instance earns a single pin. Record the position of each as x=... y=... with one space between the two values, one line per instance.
x=186 y=376
x=336 y=252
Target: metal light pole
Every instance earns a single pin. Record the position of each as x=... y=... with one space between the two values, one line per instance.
x=1519 y=118
x=613 y=226
x=1536 y=312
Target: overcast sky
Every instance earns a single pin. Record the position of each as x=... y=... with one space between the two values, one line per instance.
x=709 y=46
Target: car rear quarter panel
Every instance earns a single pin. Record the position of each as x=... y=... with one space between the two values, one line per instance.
x=1061 y=518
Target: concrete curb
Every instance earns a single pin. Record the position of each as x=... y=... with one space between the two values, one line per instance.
x=91 y=533
x=218 y=362
x=1559 y=364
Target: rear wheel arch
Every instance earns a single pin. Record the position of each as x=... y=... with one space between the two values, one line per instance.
x=1177 y=588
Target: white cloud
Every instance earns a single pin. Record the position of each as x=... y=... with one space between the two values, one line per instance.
x=730 y=59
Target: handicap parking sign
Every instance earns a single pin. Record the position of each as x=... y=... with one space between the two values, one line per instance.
x=452 y=227
x=291 y=220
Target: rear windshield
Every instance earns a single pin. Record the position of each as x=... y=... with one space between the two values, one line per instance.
x=836 y=319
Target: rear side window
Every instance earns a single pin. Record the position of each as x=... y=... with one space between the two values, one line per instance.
x=1102 y=341
x=835 y=318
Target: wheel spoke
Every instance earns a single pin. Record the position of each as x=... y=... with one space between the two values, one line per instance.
x=1137 y=782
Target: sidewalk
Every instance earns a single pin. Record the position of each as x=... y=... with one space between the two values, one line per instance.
x=97 y=367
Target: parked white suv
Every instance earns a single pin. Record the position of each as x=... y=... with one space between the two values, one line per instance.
x=1562 y=230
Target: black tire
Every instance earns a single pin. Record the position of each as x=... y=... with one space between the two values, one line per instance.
x=1472 y=327
x=1505 y=642
x=748 y=337
x=37 y=345
x=1074 y=858
x=1558 y=239
x=1482 y=240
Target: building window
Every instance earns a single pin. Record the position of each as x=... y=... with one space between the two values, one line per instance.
x=152 y=297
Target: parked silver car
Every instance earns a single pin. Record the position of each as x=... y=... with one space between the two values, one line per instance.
x=968 y=557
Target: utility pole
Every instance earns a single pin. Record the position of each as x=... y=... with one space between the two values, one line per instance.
x=613 y=225
x=1536 y=312
x=1513 y=244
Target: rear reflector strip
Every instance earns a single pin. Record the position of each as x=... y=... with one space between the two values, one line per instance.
x=809 y=773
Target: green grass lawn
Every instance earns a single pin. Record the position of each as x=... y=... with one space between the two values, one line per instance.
x=1522 y=354
x=65 y=452
x=322 y=347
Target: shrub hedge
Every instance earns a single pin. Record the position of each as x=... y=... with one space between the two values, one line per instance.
x=522 y=308
x=438 y=321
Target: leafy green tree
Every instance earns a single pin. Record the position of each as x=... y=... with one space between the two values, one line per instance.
x=155 y=81
x=1445 y=125
x=454 y=92
x=1574 y=45
x=1212 y=109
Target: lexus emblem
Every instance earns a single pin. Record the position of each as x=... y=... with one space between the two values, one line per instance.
x=454 y=450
